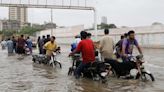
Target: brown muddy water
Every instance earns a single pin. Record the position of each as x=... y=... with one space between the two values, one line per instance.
x=23 y=76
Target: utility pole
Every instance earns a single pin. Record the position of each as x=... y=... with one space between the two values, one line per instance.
x=51 y=22
x=37 y=2
x=95 y=24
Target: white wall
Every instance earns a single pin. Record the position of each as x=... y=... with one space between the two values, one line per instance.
x=149 y=36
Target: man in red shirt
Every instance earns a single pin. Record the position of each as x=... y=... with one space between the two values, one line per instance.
x=86 y=47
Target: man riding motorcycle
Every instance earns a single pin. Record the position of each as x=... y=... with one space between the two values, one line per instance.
x=123 y=69
x=50 y=47
x=86 y=47
x=128 y=44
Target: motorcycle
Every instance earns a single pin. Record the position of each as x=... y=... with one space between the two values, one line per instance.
x=44 y=59
x=96 y=70
x=135 y=62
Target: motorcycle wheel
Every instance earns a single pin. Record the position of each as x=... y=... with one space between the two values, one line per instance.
x=70 y=71
x=145 y=76
x=56 y=64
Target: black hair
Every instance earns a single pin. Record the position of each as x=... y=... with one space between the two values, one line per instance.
x=131 y=32
x=122 y=36
x=83 y=34
x=54 y=37
x=89 y=34
x=28 y=37
x=125 y=35
x=106 y=31
x=43 y=36
x=22 y=35
x=48 y=36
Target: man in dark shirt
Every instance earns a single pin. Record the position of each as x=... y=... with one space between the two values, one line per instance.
x=45 y=41
x=21 y=45
x=86 y=47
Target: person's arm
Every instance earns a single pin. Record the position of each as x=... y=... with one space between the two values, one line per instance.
x=113 y=44
x=56 y=47
x=78 y=49
x=138 y=47
x=124 y=47
x=101 y=44
x=140 y=50
x=45 y=46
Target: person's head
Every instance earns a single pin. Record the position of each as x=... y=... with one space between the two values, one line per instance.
x=43 y=36
x=89 y=35
x=106 y=31
x=83 y=34
x=22 y=36
x=28 y=37
x=122 y=37
x=131 y=34
x=53 y=39
x=48 y=36
x=8 y=39
x=125 y=35
x=77 y=36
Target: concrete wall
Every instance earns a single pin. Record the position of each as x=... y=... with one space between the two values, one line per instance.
x=63 y=35
x=148 y=36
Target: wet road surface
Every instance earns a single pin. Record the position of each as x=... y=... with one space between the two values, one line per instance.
x=23 y=76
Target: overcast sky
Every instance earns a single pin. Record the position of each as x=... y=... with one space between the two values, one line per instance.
x=119 y=12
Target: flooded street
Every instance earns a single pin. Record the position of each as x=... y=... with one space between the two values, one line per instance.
x=24 y=76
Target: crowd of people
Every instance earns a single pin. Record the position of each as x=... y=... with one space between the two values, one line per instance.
x=82 y=44
x=19 y=45
x=23 y=45
x=106 y=47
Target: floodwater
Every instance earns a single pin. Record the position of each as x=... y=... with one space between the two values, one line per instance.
x=23 y=76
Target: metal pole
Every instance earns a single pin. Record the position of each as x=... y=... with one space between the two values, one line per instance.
x=37 y=2
x=85 y=3
x=28 y=1
x=95 y=24
x=62 y=2
x=78 y=2
x=1 y=1
x=19 y=1
x=46 y=2
x=70 y=2
x=52 y=22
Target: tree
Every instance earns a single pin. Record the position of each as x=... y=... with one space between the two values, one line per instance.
x=104 y=26
x=8 y=33
x=29 y=30
x=112 y=26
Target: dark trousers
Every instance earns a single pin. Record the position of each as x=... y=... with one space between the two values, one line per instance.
x=40 y=50
x=80 y=69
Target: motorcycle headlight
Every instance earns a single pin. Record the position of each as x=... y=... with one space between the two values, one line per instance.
x=104 y=74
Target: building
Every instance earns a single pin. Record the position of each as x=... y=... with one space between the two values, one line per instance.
x=18 y=14
x=9 y=25
x=104 y=20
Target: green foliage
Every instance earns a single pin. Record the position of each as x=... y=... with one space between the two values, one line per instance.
x=104 y=26
x=26 y=30
x=8 y=32
x=29 y=30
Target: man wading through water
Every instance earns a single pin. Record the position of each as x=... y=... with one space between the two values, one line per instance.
x=86 y=47
x=106 y=46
